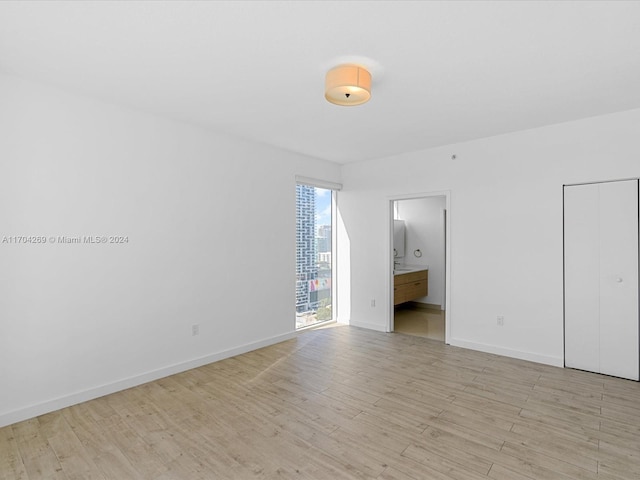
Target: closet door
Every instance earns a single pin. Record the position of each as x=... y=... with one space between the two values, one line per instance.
x=581 y=278
x=601 y=278
x=619 y=353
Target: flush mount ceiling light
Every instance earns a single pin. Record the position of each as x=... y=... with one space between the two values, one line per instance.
x=348 y=85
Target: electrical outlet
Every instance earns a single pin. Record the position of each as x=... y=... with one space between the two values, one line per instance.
x=195 y=330
x=373 y=302
x=500 y=320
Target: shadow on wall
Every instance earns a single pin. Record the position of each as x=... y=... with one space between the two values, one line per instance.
x=343 y=265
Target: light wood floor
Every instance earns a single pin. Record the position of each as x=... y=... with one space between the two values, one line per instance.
x=344 y=403
x=424 y=322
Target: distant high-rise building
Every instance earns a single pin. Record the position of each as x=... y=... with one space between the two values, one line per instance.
x=324 y=258
x=306 y=247
x=324 y=238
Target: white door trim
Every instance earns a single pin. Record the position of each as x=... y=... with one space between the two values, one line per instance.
x=447 y=267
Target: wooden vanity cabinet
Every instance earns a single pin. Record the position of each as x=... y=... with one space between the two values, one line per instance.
x=409 y=286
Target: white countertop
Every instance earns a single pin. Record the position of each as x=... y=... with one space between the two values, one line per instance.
x=402 y=269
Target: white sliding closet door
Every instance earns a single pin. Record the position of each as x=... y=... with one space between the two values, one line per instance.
x=601 y=278
x=619 y=353
x=581 y=278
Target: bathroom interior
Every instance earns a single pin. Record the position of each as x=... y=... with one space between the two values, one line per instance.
x=419 y=253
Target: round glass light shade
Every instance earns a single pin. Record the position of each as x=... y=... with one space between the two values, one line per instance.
x=348 y=85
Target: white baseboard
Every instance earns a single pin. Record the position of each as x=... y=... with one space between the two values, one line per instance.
x=52 y=405
x=370 y=326
x=507 y=352
x=481 y=347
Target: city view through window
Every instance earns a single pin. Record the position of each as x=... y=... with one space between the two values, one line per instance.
x=313 y=255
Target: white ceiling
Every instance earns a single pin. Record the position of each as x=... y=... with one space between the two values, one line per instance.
x=443 y=72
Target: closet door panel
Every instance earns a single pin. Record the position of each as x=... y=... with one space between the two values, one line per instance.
x=582 y=280
x=619 y=336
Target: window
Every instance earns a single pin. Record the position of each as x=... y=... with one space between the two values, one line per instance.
x=314 y=255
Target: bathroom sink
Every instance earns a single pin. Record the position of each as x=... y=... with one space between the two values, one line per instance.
x=409 y=268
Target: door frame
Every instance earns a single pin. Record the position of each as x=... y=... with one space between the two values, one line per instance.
x=447 y=260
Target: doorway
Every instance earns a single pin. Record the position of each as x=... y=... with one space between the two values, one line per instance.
x=419 y=265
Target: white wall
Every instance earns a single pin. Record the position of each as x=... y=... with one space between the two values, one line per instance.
x=506 y=227
x=211 y=228
x=424 y=219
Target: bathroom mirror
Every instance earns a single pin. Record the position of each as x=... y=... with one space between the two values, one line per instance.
x=398 y=238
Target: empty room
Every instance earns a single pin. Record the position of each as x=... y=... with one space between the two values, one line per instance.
x=391 y=240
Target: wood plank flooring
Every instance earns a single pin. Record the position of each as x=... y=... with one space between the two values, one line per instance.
x=344 y=403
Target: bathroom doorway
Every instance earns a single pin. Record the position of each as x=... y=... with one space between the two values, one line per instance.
x=420 y=265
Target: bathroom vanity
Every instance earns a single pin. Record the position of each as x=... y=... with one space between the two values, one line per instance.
x=409 y=284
